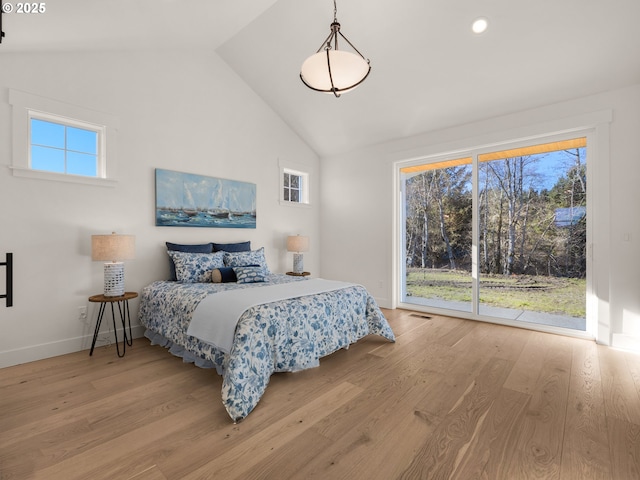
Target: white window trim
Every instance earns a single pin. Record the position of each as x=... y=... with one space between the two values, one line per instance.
x=27 y=106
x=295 y=169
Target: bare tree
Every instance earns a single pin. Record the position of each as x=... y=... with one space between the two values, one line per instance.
x=510 y=175
x=438 y=179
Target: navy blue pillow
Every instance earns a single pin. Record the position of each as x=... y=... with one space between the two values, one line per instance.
x=250 y=274
x=228 y=274
x=223 y=275
x=177 y=247
x=232 y=247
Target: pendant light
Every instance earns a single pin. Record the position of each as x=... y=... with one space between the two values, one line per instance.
x=331 y=70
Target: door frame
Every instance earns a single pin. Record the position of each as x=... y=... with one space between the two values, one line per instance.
x=595 y=126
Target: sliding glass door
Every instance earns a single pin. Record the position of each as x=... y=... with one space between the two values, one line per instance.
x=499 y=234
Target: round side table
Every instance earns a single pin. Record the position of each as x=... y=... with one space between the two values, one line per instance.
x=123 y=308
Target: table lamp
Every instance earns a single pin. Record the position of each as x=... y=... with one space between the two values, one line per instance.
x=113 y=249
x=298 y=244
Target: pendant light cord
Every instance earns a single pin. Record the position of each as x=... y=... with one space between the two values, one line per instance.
x=335 y=11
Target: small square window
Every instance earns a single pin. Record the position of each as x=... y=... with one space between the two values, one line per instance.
x=291 y=187
x=295 y=186
x=53 y=140
x=58 y=147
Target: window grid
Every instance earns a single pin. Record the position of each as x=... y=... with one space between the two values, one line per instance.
x=293 y=187
x=69 y=148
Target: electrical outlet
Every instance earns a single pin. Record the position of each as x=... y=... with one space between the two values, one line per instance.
x=82 y=313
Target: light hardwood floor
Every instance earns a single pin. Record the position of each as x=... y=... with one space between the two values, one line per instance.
x=451 y=399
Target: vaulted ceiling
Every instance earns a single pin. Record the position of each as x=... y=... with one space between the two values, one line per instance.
x=429 y=71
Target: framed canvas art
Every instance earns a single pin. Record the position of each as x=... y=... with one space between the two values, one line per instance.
x=189 y=200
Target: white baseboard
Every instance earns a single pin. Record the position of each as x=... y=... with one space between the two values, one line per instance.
x=625 y=342
x=61 y=347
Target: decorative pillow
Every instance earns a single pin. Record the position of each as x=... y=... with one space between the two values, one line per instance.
x=241 y=259
x=177 y=247
x=249 y=274
x=223 y=275
x=196 y=267
x=232 y=247
x=201 y=248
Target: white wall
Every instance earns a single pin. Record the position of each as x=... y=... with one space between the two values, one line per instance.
x=357 y=199
x=178 y=110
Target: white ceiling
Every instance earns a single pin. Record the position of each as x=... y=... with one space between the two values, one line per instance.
x=70 y=25
x=429 y=71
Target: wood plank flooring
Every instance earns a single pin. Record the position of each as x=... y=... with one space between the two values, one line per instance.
x=451 y=399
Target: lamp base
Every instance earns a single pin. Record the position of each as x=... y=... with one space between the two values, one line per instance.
x=298 y=263
x=113 y=279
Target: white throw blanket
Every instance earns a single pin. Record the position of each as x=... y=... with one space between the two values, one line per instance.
x=215 y=318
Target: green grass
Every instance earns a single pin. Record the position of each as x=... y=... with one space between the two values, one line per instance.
x=561 y=296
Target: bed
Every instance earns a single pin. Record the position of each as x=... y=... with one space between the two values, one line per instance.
x=284 y=335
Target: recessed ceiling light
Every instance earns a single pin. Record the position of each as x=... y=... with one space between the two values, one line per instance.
x=479 y=25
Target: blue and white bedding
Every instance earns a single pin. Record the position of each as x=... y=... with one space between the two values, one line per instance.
x=228 y=306
x=286 y=335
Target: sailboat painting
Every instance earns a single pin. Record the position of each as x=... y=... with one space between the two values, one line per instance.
x=188 y=200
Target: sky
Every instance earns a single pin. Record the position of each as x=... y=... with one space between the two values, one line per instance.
x=63 y=149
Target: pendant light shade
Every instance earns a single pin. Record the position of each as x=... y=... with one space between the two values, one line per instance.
x=331 y=70
x=347 y=69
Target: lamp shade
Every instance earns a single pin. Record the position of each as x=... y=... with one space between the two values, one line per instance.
x=347 y=69
x=113 y=247
x=297 y=243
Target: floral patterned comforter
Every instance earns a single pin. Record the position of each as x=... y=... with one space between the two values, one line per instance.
x=282 y=336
